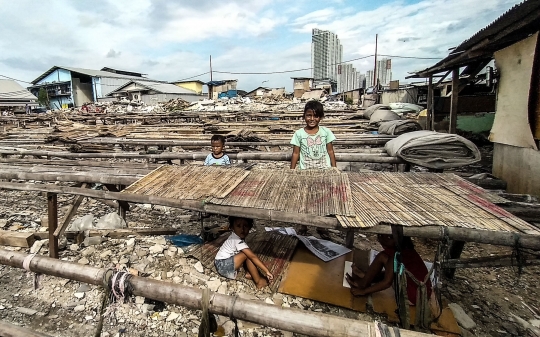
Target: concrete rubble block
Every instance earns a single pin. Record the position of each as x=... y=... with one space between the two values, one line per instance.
x=130 y=242
x=199 y=267
x=172 y=316
x=105 y=254
x=26 y=311
x=79 y=295
x=213 y=285
x=156 y=249
x=84 y=261
x=93 y=241
x=111 y=221
x=36 y=247
x=88 y=251
x=462 y=318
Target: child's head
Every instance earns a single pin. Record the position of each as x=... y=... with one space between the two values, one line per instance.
x=240 y=226
x=313 y=113
x=387 y=241
x=316 y=107
x=218 y=143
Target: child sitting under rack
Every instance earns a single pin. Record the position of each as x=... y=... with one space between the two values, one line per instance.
x=235 y=253
x=374 y=280
x=312 y=147
x=217 y=156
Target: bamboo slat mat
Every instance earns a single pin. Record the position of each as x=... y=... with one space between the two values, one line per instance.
x=275 y=250
x=423 y=199
x=318 y=192
x=189 y=182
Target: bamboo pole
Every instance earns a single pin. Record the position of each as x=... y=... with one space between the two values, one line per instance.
x=85 y=177
x=52 y=212
x=432 y=232
x=293 y=320
x=273 y=156
x=11 y=330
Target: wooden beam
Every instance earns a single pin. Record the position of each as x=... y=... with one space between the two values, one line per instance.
x=454 y=101
x=430 y=113
x=70 y=213
x=16 y=239
x=530 y=241
x=125 y=232
x=456 y=248
x=52 y=205
x=489 y=262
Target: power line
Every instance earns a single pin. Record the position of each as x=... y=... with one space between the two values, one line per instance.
x=411 y=57
x=11 y=78
x=187 y=78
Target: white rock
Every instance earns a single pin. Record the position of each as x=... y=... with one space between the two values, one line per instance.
x=79 y=308
x=105 y=254
x=461 y=317
x=130 y=242
x=172 y=316
x=268 y=300
x=223 y=288
x=88 y=251
x=37 y=246
x=74 y=247
x=79 y=295
x=199 y=267
x=156 y=249
x=93 y=240
x=26 y=311
x=139 y=299
x=84 y=260
x=213 y=285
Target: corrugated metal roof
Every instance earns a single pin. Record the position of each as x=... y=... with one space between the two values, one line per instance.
x=13 y=91
x=517 y=23
x=90 y=72
x=160 y=87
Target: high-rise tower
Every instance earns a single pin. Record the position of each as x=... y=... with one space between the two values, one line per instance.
x=326 y=55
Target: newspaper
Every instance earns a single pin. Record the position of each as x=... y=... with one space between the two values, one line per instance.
x=324 y=250
x=281 y=230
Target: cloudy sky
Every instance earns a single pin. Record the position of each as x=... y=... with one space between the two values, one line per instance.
x=172 y=40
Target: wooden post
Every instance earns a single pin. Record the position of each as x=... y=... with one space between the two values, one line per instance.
x=430 y=119
x=455 y=252
x=52 y=203
x=454 y=101
x=349 y=238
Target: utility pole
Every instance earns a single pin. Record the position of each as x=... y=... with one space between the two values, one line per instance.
x=375 y=68
x=211 y=88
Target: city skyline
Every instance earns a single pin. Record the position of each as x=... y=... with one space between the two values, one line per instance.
x=252 y=41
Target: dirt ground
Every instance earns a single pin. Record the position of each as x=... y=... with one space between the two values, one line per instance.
x=495 y=298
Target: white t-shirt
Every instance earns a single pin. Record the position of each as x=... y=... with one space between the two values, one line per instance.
x=232 y=246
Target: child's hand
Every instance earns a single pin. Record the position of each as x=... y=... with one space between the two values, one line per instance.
x=269 y=276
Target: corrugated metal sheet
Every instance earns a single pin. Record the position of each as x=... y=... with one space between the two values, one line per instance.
x=13 y=91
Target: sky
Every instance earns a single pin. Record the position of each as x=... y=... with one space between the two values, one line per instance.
x=173 y=40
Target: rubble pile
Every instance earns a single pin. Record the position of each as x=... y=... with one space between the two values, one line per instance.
x=175 y=104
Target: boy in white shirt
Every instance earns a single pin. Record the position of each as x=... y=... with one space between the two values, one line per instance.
x=235 y=253
x=217 y=157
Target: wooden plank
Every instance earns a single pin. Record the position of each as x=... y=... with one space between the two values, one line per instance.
x=70 y=213
x=16 y=239
x=52 y=211
x=454 y=101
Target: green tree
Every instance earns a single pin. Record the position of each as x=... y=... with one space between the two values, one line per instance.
x=43 y=98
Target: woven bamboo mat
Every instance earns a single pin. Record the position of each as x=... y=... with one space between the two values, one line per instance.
x=189 y=182
x=273 y=249
x=423 y=199
x=318 y=192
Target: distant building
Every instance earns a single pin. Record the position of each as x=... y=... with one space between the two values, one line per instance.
x=384 y=71
x=266 y=92
x=13 y=95
x=326 y=55
x=152 y=93
x=195 y=85
x=220 y=89
x=369 y=79
x=349 y=78
x=68 y=86
x=301 y=85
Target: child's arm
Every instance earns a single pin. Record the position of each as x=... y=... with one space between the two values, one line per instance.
x=330 y=150
x=385 y=283
x=296 y=156
x=250 y=255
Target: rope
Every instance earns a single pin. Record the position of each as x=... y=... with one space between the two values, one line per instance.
x=231 y=317
x=518 y=256
x=26 y=266
x=119 y=290
x=208 y=321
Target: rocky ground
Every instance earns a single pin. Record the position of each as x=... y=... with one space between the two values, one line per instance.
x=496 y=299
